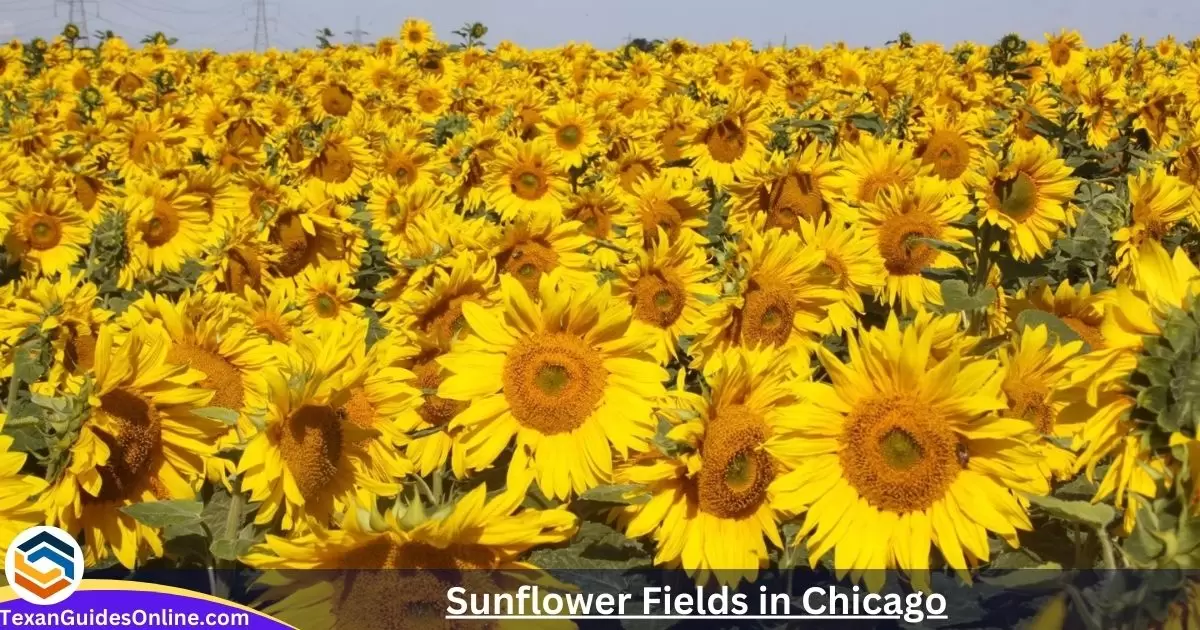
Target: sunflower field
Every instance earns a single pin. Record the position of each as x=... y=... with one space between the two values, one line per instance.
x=717 y=308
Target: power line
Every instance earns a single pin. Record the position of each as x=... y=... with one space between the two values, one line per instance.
x=260 y=26
x=357 y=33
x=77 y=15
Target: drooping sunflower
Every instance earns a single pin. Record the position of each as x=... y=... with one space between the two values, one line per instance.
x=137 y=442
x=469 y=541
x=569 y=377
x=65 y=310
x=712 y=505
x=48 y=230
x=1034 y=371
x=1100 y=389
x=308 y=460
x=1159 y=201
x=1030 y=196
x=782 y=300
x=852 y=261
x=780 y=191
x=733 y=139
x=669 y=286
x=525 y=180
x=18 y=507
x=165 y=226
x=926 y=209
x=902 y=451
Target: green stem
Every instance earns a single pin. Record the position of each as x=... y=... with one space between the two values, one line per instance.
x=1106 y=549
x=437 y=482
x=233 y=524
x=426 y=490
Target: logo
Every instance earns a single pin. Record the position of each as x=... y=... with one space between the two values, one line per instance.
x=44 y=565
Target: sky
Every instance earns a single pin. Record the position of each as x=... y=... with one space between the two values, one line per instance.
x=228 y=25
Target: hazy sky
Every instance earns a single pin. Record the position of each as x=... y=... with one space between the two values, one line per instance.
x=229 y=24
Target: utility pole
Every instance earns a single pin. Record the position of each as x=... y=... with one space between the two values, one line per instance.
x=261 y=38
x=77 y=15
x=357 y=33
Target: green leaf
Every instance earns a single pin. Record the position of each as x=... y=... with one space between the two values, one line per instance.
x=1032 y=575
x=626 y=494
x=596 y=546
x=230 y=549
x=1033 y=318
x=1094 y=514
x=160 y=514
x=228 y=416
x=956 y=297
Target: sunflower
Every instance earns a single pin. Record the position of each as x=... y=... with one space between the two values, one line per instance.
x=1159 y=201
x=239 y=260
x=670 y=203
x=897 y=222
x=327 y=300
x=410 y=162
x=434 y=311
x=1030 y=197
x=669 y=287
x=18 y=507
x=525 y=179
x=1080 y=309
x=575 y=134
x=340 y=163
x=953 y=147
x=869 y=167
x=416 y=35
x=1100 y=96
x=136 y=442
x=533 y=248
x=461 y=544
x=272 y=314
x=570 y=377
x=902 y=451
x=65 y=310
x=149 y=142
x=711 y=505
x=782 y=300
x=781 y=191
x=1100 y=389
x=308 y=231
x=308 y=460
x=210 y=336
x=381 y=393
x=1064 y=52
x=852 y=262
x=165 y=226
x=48 y=230
x=1034 y=371
x=733 y=139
